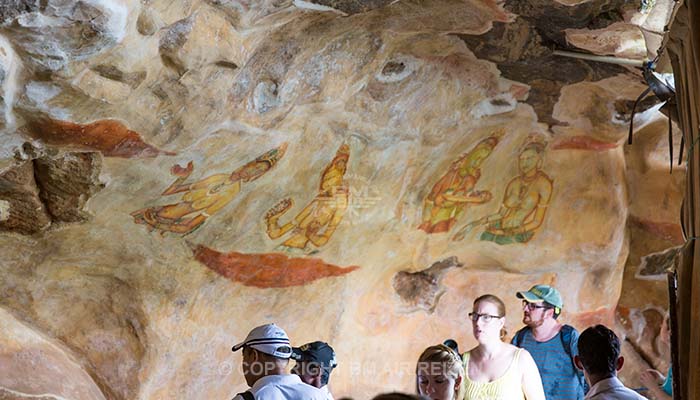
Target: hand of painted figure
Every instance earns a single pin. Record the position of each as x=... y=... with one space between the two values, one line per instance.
x=467 y=228
x=181 y=172
x=484 y=196
x=279 y=208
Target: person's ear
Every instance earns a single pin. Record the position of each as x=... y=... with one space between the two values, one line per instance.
x=619 y=363
x=578 y=363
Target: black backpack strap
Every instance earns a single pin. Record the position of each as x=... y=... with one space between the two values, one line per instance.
x=519 y=337
x=247 y=395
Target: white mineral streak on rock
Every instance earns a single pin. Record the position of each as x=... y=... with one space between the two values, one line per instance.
x=40 y=94
x=10 y=66
x=499 y=104
x=21 y=395
x=4 y=210
x=316 y=7
x=69 y=30
x=116 y=13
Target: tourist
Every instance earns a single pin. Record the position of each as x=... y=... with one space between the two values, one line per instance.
x=551 y=344
x=660 y=386
x=439 y=374
x=599 y=358
x=398 y=396
x=266 y=353
x=496 y=370
x=314 y=363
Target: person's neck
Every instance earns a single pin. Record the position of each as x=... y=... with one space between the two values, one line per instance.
x=595 y=378
x=549 y=328
x=490 y=349
x=272 y=372
x=529 y=176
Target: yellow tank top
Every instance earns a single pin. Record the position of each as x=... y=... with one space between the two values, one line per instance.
x=507 y=387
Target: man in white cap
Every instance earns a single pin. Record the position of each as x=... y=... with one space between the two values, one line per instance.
x=266 y=353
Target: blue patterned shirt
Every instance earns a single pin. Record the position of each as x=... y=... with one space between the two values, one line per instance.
x=560 y=378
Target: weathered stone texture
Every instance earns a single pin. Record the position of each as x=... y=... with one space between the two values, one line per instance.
x=357 y=172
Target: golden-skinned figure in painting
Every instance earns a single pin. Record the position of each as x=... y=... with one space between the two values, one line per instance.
x=525 y=201
x=454 y=192
x=316 y=223
x=205 y=197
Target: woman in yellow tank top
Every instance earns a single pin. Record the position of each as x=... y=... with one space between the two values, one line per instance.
x=495 y=370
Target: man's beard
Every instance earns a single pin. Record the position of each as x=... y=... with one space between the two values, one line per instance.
x=532 y=323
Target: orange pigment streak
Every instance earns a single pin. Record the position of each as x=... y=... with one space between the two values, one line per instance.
x=110 y=137
x=267 y=270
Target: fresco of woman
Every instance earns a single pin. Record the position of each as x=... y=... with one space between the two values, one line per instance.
x=524 y=204
x=205 y=197
x=454 y=191
x=317 y=222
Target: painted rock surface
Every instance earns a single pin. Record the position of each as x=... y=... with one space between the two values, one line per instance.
x=175 y=173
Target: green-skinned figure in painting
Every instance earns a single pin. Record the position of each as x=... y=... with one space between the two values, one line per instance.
x=203 y=198
x=316 y=223
x=525 y=202
x=454 y=192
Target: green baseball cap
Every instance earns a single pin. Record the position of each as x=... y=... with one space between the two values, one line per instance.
x=540 y=293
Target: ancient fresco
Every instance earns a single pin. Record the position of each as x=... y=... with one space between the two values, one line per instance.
x=205 y=197
x=267 y=270
x=433 y=101
x=524 y=204
x=314 y=225
x=455 y=191
x=110 y=137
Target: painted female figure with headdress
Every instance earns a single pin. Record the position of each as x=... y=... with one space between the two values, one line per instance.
x=203 y=198
x=525 y=201
x=316 y=223
x=454 y=191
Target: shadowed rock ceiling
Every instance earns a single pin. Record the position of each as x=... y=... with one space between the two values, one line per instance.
x=174 y=173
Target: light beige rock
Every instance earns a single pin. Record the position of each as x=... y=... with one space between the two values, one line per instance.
x=262 y=162
x=33 y=365
x=202 y=38
x=101 y=88
x=618 y=39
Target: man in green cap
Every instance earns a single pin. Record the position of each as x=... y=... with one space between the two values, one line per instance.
x=552 y=345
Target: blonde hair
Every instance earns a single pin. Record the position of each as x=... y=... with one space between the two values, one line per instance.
x=500 y=306
x=451 y=364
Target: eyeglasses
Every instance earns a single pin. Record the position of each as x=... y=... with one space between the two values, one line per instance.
x=532 y=306
x=484 y=317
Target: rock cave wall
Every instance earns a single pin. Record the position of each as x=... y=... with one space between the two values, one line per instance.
x=173 y=174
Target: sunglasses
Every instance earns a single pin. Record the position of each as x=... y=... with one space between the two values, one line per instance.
x=484 y=317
